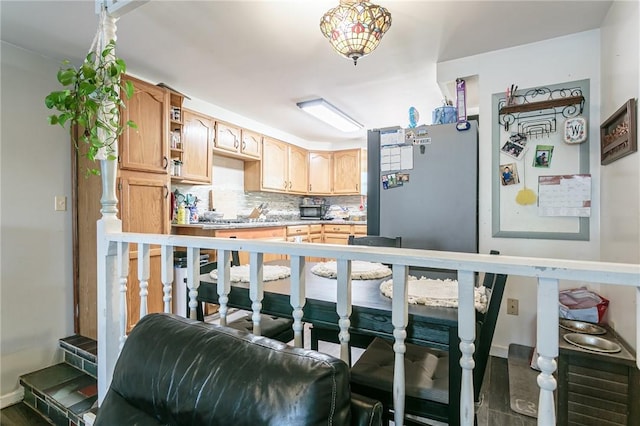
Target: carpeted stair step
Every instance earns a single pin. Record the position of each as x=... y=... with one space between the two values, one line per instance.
x=64 y=392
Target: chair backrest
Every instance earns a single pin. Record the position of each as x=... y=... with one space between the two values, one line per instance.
x=205 y=268
x=486 y=325
x=375 y=240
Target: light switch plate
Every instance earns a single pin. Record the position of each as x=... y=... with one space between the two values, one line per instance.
x=60 y=203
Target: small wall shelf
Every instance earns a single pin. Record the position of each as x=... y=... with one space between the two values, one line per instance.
x=540 y=105
x=535 y=112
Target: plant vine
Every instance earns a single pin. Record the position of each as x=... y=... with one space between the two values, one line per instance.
x=91 y=101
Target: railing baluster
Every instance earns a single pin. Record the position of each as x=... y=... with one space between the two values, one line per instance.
x=343 y=306
x=467 y=334
x=123 y=273
x=224 y=283
x=399 y=318
x=166 y=275
x=143 y=275
x=298 y=297
x=193 y=279
x=256 y=289
x=547 y=346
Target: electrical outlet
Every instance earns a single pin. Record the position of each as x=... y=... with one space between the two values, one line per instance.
x=512 y=306
x=60 y=203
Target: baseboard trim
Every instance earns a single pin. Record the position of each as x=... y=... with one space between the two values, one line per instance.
x=12 y=398
x=499 y=351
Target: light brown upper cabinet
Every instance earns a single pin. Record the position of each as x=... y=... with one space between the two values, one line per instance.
x=338 y=172
x=346 y=171
x=251 y=144
x=320 y=173
x=233 y=141
x=298 y=170
x=197 y=144
x=283 y=168
x=145 y=148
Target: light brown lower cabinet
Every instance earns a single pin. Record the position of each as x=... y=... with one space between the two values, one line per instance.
x=274 y=233
x=316 y=233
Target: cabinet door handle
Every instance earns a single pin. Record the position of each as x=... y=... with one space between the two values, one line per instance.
x=309 y=187
x=356 y=186
x=166 y=162
x=244 y=145
x=235 y=142
x=166 y=189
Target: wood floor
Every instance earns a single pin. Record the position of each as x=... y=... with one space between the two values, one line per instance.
x=21 y=415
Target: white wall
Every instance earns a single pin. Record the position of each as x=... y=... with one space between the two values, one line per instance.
x=620 y=186
x=36 y=302
x=569 y=58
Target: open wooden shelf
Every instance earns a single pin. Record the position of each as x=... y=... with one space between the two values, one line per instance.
x=534 y=106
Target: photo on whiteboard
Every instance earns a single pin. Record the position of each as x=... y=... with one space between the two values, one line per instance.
x=514 y=150
x=543 y=156
x=519 y=138
x=509 y=174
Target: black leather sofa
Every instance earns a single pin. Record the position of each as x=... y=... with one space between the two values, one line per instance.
x=175 y=371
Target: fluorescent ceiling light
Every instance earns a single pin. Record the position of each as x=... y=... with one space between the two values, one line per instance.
x=326 y=112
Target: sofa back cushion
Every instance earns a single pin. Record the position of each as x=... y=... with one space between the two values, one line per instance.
x=183 y=372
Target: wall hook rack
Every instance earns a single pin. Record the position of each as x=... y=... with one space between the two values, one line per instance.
x=535 y=111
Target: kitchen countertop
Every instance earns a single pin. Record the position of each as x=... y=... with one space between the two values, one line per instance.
x=267 y=224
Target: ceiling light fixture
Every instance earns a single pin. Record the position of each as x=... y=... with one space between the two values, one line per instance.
x=355 y=27
x=326 y=112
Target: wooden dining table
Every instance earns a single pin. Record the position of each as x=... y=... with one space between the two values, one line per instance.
x=431 y=326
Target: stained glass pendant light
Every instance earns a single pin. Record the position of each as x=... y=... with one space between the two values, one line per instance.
x=355 y=27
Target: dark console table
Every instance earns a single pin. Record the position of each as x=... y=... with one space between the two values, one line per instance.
x=599 y=389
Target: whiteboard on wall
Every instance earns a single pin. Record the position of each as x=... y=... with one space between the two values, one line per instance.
x=545 y=133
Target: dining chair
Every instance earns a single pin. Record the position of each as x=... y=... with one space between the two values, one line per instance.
x=432 y=377
x=329 y=333
x=276 y=328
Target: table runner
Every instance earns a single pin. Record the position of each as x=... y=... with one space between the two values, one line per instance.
x=430 y=292
x=360 y=270
x=241 y=273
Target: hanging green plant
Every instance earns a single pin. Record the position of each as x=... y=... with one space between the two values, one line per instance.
x=91 y=100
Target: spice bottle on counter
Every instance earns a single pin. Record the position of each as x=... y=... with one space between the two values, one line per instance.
x=181 y=217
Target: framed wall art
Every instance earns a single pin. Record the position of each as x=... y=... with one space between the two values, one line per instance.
x=618 y=134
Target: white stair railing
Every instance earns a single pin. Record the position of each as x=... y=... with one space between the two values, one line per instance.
x=113 y=259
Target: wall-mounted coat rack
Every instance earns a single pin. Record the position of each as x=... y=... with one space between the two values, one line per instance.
x=535 y=111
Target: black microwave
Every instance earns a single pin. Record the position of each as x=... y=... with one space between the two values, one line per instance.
x=312 y=211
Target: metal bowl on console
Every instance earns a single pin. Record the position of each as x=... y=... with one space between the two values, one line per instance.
x=581 y=327
x=592 y=343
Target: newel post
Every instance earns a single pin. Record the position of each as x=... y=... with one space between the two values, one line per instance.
x=107 y=272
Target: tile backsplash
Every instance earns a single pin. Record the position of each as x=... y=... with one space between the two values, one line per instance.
x=234 y=202
x=230 y=198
